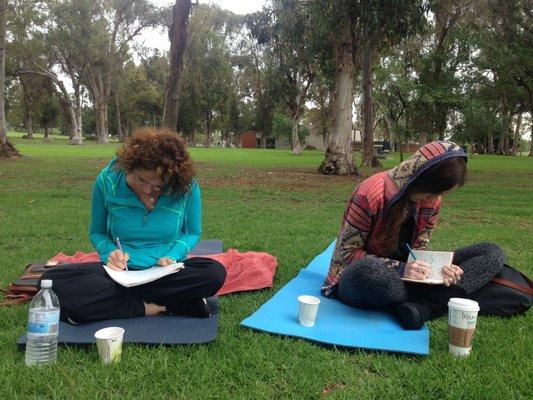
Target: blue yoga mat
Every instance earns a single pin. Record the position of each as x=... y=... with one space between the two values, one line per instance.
x=336 y=323
x=161 y=329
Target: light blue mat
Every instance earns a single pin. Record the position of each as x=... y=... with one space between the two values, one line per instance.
x=336 y=323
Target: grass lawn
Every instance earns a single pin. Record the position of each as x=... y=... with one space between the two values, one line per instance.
x=263 y=200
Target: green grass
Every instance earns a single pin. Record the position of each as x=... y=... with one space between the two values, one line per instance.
x=270 y=201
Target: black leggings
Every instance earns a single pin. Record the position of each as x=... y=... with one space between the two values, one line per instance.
x=87 y=293
x=369 y=283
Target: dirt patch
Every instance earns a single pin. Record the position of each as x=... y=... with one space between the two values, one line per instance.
x=282 y=178
x=331 y=387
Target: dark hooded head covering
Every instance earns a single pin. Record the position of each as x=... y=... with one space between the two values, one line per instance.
x=426 y=157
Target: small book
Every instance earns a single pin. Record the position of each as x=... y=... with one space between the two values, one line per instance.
x=436 y=260
x=140 y=277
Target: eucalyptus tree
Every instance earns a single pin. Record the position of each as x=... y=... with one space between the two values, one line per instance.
x=335 y=22
x=101 y=33
x=140 y=90
x=178 y=40
x=258 y=79
x=319 y=116
x=382 y=23
x=443 y=57
x=24 y=40
x=394 y=91
x=37 y=94
x=501 y=66
x=67 y=48
x=207 y=72
x=38 y=54
x=6 y=148
x=292 y=38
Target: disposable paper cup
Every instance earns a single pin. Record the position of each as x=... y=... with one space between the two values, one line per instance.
x=307 y=310
x=462 y=317
x=109 y=343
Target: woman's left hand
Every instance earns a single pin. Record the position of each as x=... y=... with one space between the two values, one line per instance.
x=452 y=274
x=164 y=261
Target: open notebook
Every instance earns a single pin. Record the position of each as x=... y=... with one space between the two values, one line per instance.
x=140 y=277
x=436 y=260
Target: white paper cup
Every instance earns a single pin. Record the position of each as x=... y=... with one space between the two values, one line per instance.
x=308 y=308
x=109 y=343
x=462 y=317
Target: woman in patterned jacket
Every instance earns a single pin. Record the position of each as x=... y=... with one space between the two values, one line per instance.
x=393 y=209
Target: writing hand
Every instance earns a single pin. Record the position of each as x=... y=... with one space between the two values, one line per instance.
x=418 y=270
x=164 y=261
x=451 y=275
x=117 y=260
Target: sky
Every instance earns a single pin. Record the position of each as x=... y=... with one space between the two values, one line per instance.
x=159 y=38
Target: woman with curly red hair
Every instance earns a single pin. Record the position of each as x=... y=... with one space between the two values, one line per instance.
x=147 y=196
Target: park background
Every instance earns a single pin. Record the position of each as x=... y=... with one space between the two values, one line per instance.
x=352 y=81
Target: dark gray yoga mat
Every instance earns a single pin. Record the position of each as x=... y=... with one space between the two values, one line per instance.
x=205 y=247
x=164 y=329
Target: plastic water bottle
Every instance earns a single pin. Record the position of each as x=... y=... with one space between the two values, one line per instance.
x=43 y=323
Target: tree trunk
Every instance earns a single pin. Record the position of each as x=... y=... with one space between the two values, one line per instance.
x=72 y=121
x=531 y=132
x=208 y=127
x=69 y=110
x=178 y=41
x=46 y=130
x=102 y=132
x=28 y=124
x=423 y=139
x=100 y=88
x=339 y=158
x=490 y=143
x=120 y=134
x=440 y=123
x=369 y=157
x=296 y=108
x=516 y=136
x=503 y=144
x=27 y=103
x=6 y=148
x=295 y=139
x=77 y=137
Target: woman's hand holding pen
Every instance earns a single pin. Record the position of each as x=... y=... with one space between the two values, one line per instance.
x=164 y=261
x=417 y=269
x=451 y=275
x=118 y=260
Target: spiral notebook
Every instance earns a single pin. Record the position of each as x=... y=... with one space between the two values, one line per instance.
x=140 y=277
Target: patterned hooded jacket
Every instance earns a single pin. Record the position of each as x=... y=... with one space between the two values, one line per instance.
x=365 y=216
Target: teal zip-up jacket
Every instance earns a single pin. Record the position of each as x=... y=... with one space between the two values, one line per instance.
x=171 y=229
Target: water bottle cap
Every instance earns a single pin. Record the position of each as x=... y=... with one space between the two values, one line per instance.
x=46 y=283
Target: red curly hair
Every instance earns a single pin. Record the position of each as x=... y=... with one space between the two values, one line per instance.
x=162 y=151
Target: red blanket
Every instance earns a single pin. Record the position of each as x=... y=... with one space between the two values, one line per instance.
x=245 y=271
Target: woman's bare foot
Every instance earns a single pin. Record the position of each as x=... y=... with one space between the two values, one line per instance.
x=153 y=309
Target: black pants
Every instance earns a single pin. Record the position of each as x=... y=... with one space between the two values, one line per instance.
x=369 y=283
x=87 y=293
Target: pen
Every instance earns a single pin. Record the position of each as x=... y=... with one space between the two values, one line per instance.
x=414 y=258
x=120 y=248
x=408 y=248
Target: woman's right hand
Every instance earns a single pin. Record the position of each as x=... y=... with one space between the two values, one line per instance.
x=117 y=260
x=418 y=270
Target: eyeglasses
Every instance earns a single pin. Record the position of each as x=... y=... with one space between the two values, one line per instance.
x=145 y=183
